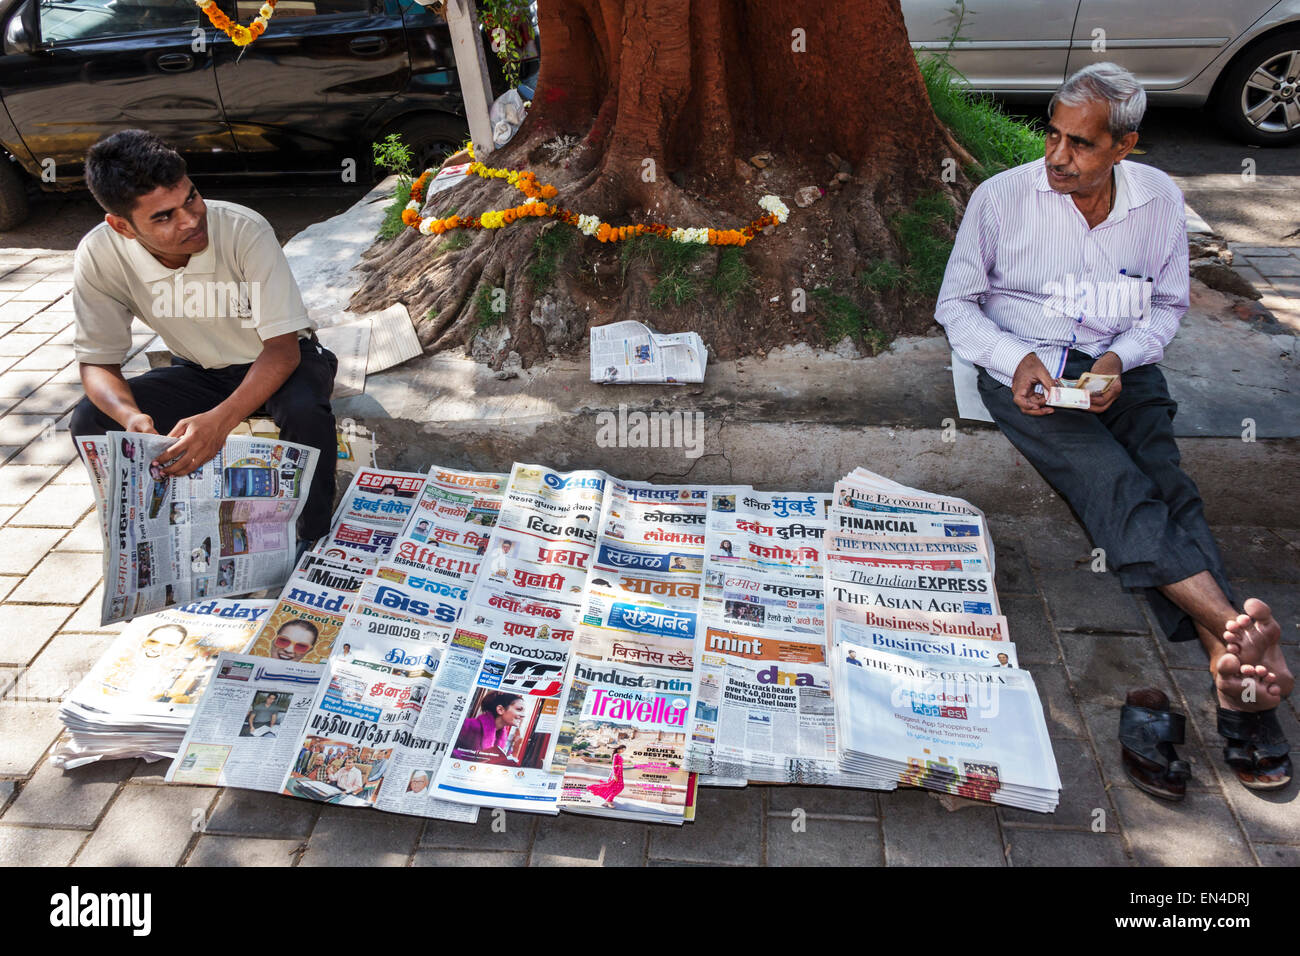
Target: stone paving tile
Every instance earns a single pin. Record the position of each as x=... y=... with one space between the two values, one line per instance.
x=20 y=429
x=1083 y=600
x=54 y=399
x=55 y=506
x=733 y=833
x=1082 y=793
x=21 y=384
x=1257 y=553
x=255 y=813
x=8 y=678
x=17 y=311
x=1103 y=668
x=1054 y=545
x=1103 y=725
x=147 y=826
x=1059 y=708
x=22 y=548
x=1266 y=817
x=27 y=728
x=86 y=536
x=575 y=840
x=1013 y=574
x=43 y=451
x=47 y=358
x=72 y=474
x=834 y=801
x=242 y=851
x=68 y=798
x=20 y=279
x=19 y=482
x=1270 y=266
x=1288 y=286
x=487 y=835
x=7 y=583
x=823 y=843
x=48 y=321
x=475 y=858
x=918 y=831
x=346 y=837
x=32 y=846
x=1260 y=251
x=45 y=291
x=1196 y=832
x=1250 y=274
x=27 y=628
x=62 y=576
x=60 y=667
x=150 y=773
x=1064 y=848
x=21 y=343
x=1278 y=855
x=85 y=620
x=1030 y=630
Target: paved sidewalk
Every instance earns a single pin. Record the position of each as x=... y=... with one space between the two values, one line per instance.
x=1083 y=638
x=1275 y=272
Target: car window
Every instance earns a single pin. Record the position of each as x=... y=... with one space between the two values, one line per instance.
x=64 y=20
x=285 y=9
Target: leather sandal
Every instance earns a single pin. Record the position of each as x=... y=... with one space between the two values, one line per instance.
x=1256 y=748
x=1148 y=730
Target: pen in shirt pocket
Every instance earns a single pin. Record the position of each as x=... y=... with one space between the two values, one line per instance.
x=1134 y=275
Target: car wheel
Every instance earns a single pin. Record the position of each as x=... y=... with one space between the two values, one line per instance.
x=431 y=139
x=13 y=195
x=1259 y=98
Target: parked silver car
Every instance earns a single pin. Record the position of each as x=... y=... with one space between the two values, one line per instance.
x=1241 y=57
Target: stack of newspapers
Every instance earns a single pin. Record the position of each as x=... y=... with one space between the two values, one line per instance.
x=138 y=700
x=927 y=687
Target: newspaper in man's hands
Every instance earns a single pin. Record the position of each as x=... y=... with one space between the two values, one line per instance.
x=630 y=352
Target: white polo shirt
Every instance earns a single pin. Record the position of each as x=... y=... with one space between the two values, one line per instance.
x=214 y=311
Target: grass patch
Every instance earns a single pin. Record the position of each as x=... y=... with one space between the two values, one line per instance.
x=881 y=275
x=483 y=306
x=733 y=276
x=842 y=316
x=548 y=249
x=392 y=225
x=672 y=262
x=456 y=239
x=996 y=140
x=925 y=243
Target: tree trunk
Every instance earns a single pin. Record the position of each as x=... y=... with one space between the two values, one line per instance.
x=669 y=99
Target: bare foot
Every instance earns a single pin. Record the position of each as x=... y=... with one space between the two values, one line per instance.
x=1251 y=634
x=1250 y=687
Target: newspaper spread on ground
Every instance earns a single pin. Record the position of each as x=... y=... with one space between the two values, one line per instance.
x=139 y=698
x=225 y=529
x=631 y=352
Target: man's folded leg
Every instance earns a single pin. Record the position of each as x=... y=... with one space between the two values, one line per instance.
x=165 y=394
x=301 y=409
x=1118 y=504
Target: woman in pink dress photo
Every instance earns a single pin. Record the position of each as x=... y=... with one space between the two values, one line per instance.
x=612 y=787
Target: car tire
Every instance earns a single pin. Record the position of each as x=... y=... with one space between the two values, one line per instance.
x=13 y=195
x=431 y=138
x=1241 y=101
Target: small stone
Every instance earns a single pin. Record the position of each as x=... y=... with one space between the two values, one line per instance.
x=511 y=367
x=744 y=170
x=843 y=177
x=807 y=195
x=761 y=160
x=834 y=186
x=1225 y=279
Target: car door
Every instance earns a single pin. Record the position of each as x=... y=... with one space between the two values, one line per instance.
x=301 y=97
x=106 y=65
x=1008 y=46
x=1164 y=43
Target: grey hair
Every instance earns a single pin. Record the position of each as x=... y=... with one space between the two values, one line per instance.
x=1114 y=85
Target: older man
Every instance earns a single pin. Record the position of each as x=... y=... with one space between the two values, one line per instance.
x=1078 y=264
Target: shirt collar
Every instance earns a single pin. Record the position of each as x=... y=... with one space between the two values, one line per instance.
x=150 y=270
x=1130 y=192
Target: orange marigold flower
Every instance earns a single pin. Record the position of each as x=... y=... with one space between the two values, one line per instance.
x=410 y=217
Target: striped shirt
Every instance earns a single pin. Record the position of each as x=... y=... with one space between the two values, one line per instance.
x=1026 y=273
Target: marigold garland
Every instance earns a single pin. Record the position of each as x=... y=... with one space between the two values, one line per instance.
x=526 y=182
x=239 y=35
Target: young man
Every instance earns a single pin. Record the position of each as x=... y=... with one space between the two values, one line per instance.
x=1078 y=263
x=211 y=279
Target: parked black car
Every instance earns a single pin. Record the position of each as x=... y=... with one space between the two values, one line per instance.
x=307 y=99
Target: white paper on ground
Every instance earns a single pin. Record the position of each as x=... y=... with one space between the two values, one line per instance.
x=350 y=342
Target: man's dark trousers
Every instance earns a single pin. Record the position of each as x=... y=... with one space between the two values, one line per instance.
x=301 y=410
x=1119 y=471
